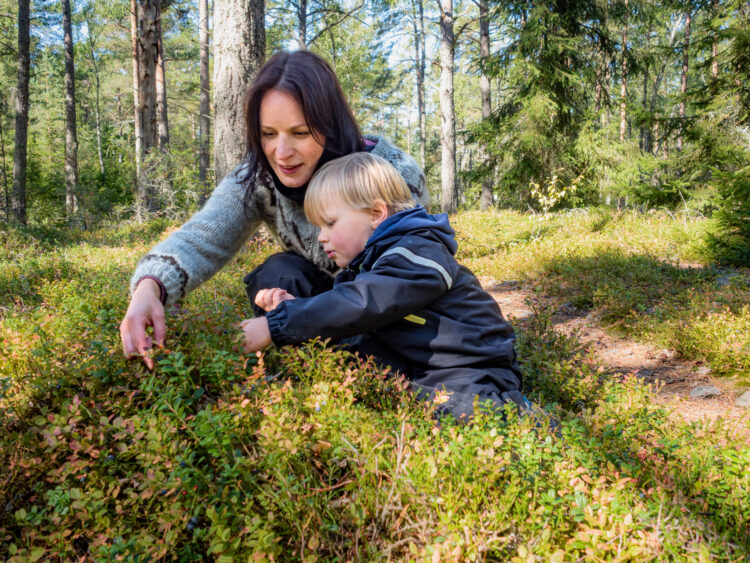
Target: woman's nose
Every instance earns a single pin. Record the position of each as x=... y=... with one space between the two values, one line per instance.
x=283 y=148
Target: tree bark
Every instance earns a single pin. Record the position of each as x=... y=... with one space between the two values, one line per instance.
x=484 y=87
x=645 y=128
x=140 y=190
x=654 y=140
x=71 y=134
x=22 y=113
x=6 y=190
x=148 y=56
x=447 y=110
x=417 y=12
x=239 y=50
x=161 y=86
x=715 y=49
x=205 y=103
x=302 y=19
x=624 y=78
x=97 y=109
x=683 y=82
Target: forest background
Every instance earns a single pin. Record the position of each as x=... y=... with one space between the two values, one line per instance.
x=509 y=104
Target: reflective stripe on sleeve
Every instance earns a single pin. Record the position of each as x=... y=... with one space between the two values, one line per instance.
x=420 y=260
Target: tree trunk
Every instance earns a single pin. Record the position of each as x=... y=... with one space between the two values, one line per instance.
x=161 y=86
x=22 y=114
x=71 y=135
x=447 y=110
x=148 y=56
x=645 y=133
x=140 y=185
x=417 y=13
x=97 y=109
x=655 y=141
x=683 y=83
x=205 y=103
x=239 y=50
x=302 y=19
x=624 y=78
x=6 y=189
x=484 y=86
x=715 y=49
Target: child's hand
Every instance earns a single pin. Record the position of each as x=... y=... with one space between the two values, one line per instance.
x=255 y=335
x=269 y=299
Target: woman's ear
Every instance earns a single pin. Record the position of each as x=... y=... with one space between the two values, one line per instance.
x=379 y=213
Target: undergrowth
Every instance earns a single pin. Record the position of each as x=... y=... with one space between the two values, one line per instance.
x=309 y=453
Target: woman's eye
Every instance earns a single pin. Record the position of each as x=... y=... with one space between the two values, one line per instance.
x=267 y=133
x=302 y=133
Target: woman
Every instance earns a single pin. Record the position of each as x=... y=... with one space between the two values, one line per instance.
x=296 y=119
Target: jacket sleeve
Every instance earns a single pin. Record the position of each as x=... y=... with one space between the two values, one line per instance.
x=203 y=245
x=403 y=280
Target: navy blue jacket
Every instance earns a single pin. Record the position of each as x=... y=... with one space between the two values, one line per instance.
x=406 y=300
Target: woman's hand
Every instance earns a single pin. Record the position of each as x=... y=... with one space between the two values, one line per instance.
x=255 y=335
x=145 y=310
x=269 y=299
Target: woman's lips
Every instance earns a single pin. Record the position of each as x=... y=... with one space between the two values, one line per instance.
x=289 y=169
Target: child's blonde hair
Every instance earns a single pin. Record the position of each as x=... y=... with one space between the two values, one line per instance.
x=361 y=180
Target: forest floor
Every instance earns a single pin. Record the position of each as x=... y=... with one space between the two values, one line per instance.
x=673 y=376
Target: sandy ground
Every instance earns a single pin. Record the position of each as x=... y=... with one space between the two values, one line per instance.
x=674 y=376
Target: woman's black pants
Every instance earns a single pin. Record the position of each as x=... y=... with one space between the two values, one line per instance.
x=290 y=272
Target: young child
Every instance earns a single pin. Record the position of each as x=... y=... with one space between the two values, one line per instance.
x=403 y=298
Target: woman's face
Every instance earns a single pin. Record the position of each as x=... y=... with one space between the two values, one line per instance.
x=288 y=143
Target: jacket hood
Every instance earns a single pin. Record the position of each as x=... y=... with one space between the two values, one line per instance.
x=416 y=219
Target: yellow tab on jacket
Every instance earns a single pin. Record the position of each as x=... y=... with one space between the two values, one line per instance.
x=415 y=319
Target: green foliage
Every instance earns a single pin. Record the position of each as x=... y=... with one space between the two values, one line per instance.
x=637 y=272
x=730 y=244
x=310 y=453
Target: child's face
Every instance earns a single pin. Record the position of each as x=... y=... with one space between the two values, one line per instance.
x=345 y=231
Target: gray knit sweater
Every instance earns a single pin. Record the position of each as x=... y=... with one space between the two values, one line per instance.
x=212 y=236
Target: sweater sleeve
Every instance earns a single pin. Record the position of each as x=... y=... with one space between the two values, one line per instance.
x=402 y=281
x=203 y=245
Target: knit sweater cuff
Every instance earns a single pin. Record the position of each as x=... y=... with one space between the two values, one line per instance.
x=162 y=289
x=166 y=270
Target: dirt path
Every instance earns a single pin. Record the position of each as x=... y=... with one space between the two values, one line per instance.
x=676 y=377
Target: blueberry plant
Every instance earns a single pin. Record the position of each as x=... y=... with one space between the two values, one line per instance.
x=310 y=453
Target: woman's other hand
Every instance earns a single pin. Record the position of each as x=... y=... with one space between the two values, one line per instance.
x=255 y=335
x=269 y=299
x=145 y=310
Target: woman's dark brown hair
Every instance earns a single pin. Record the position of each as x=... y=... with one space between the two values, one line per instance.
x=308 y=79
